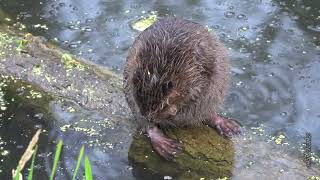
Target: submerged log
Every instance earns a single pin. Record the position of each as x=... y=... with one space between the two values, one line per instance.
x=206 y=154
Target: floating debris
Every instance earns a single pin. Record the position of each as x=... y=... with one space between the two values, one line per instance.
x=88 y=131
x=144 y=22
x=224 y=178
x=71 y=109
x=229 y=14
x=7 y=19
x=209 y=28
x=86 y=29
x=3 y=103
x=5 y=153
x=243 y=28
x=249 y=164
x=242 y=16
x=34 y=94
x=65 y=127
x=109 y=145
x=314 y=178
x=42 y=26
x=258 y=130
x=280 y=139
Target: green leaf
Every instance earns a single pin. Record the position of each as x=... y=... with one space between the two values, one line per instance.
x=30 y=175
x=78 y=163
x=87 y=169
x=56 y=159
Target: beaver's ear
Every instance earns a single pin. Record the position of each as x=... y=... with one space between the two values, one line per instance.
x=173 y=110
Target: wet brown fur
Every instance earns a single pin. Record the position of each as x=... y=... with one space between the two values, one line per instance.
x=185 y=53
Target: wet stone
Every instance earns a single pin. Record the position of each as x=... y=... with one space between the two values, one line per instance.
x=205 y=155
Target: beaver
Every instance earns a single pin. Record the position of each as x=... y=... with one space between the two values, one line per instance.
x=176 y=74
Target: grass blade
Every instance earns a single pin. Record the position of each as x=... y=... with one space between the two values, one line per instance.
x=56 y=159
x=30 y=175
x=18 y=174
x=87 y=169
x=78 y=163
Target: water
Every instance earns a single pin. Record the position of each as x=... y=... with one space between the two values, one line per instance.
x=273 y=45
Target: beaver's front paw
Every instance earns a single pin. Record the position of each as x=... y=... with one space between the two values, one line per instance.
x=164 y=146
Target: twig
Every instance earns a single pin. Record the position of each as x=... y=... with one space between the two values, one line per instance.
x=27 y=154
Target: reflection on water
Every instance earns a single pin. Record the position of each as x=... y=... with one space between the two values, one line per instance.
x=274 y=52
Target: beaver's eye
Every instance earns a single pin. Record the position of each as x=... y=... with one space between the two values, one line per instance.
x=166 y=87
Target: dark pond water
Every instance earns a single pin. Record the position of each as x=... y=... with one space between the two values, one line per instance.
x=274 y=50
